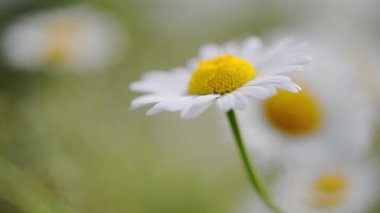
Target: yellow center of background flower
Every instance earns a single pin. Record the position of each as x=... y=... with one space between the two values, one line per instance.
x=220 y=75
x=293 y=113
x=330 y=190
x=61 y=33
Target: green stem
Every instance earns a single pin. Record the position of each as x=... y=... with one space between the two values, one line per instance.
x=253 y=177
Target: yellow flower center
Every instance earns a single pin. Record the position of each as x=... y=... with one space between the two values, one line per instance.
x=221 y=75
x=56 y=54
x=293 y=113
x=61 y=33
x=330 y=190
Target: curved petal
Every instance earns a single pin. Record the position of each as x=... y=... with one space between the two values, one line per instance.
x=283 y=57
x=251 y=48
x=271 y=79
x=231 y=48
x=175 y=81
x=199 y=105
x=209 y=51
x=226 y=102
x=171 y=105
x=291 y=87
x=240 y=101
x=256 y=92
x=147 y=99
x=280 y=69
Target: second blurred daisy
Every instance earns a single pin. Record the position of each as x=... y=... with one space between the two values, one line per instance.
x=75 y=38
x=333 y=110
x=326 y=184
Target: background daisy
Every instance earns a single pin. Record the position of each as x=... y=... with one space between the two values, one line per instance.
x=324 y=184
x=330 y=111
x=76 y=38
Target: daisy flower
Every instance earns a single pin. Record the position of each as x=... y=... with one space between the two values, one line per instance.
x=287 y=124
x=327 y=186
x=227 y=75
x=76 y=38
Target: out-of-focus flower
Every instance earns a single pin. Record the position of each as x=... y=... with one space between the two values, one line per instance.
x=227 y=75
x=326 y=185
x=348 y=13
x=75 y=38
x=333 y=112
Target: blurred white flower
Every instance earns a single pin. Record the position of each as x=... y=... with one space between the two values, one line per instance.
x=325 y=185
x=227 y=75
x=333 y=112
x=349 y=13
x=76 y=38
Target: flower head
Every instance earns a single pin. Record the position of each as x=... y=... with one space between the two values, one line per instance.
x=75 y=38
x=288 y=124
x=324 y=184
x=228 y=75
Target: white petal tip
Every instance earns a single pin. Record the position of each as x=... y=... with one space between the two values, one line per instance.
x=148 y=113
x=308 y=58
x=136 y=104
x=134 y=87
x=296 y=90
x=153 y=111
x=187 y=117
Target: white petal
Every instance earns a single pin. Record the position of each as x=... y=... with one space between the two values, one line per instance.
x=240 y=102
x=147 y=99
x=175 y=81
x=256 y=92
x=199 y=105
x=280 y=69
x=177 y=104
x=232 y=48
x=171 y=105
x=299 y=59
x=251 y=48
x=209 y=51
x=222 y=102
x=158 y=87
x=294 y=88
x=283 y=57
x=273 y=52
x=271 y=90
x=226 y=102
x=272 y=79
x=155 y=109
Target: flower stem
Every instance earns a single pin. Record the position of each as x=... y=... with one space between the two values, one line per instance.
x=253 y=177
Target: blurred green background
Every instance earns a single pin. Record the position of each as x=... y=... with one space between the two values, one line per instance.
x=69 y=143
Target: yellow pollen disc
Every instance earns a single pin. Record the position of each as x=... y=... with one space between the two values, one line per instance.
x=221 y=75
x=57 y=53
x=330 y=190
x=293 y=113
x=61 y=33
